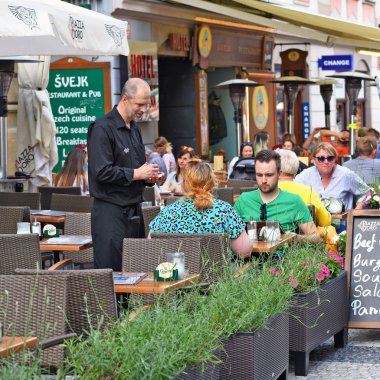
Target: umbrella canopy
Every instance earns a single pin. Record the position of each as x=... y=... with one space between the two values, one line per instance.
x=53 y=27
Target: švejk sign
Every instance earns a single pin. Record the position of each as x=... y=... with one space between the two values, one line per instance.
x=336 y=62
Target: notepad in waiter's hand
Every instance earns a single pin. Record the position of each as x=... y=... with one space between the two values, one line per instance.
x=128 y=279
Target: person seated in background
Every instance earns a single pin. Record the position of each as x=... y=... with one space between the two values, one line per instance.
x=314 y=138
x=341 y=143
x=260 y=142
x=366 y=165
x=289 y=168
x=200 y=213
x=372 y=132
x=246 y=151
x=155 y=158
x=164 y=149
x=73 y=172
x=287 y=140
x=174 y=179
x=330 y=180
x=269 y=202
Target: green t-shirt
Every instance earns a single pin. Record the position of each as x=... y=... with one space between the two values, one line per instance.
x=289 y=209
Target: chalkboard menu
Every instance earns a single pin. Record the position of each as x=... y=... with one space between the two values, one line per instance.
x=363 y=267
x=79 y=93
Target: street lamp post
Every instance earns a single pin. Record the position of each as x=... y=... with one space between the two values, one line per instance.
x=237 y=94
x=291 y=87
x=353 y=85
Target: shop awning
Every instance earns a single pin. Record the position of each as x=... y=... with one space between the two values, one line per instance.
x=328 y=30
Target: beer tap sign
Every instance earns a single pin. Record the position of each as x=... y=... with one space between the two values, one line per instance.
x=353 y=84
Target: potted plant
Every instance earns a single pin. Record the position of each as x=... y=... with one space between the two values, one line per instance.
x=318 y=309
x=372 y=197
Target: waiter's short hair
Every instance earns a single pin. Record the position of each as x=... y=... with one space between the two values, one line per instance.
x=132 y=85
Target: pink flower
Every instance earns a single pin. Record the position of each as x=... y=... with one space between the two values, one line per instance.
x=277 y=273
x=367 y=202
x=293 y=282
x=320 y=276
x=272 y=270
x=325 y=270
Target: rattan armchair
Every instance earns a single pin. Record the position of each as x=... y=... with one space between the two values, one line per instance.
x=171 y=199
x=10 y=216
x=239 y=183
x=35 y=306
x=149 y=213
x=78 y=224
x=47 y=191
x=215 y=252
x=71 y=203
x=22 y=251
x=32 y=200
x=225 y=194
x=90 y=297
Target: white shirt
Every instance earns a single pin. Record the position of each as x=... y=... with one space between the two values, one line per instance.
x=344 y=184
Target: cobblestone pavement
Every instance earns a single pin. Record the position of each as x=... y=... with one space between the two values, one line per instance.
x=359 y=360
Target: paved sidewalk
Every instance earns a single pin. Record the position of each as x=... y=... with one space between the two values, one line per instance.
x=359 y=360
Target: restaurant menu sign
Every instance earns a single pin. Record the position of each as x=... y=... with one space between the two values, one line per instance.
x=363 y=266
x=79 y=93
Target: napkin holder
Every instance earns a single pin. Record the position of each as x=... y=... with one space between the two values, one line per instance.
x=50 y=231
x=165 y=272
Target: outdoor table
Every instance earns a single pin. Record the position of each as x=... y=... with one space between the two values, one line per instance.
x=48 y=216
x=149 y=286
x=11 y=344
x=341 y=216
x=267 y=246
x=69 y=243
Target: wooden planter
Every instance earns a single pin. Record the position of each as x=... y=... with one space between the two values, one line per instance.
x=316 y=316
x=258 y=356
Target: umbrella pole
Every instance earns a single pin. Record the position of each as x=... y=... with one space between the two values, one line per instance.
x=3 y=148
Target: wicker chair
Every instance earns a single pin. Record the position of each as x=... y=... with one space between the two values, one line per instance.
x=238 y=183
x=90 y=295
x=215 y=253
x=22 y=251
x=35 y=306
x=149 y=213
x=78 y=224
x=148 y=194
x=10 y=216
x=225 y=194
x=71 y=203
x=32 y=200
x=171 y=199
x=47 y=191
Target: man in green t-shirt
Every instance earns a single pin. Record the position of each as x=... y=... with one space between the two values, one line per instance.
x=271 y=203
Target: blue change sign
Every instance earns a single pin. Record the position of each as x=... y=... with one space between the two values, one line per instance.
x=305 y=120
x=336 y=62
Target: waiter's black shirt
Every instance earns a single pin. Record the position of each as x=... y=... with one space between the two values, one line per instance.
x=114 y=150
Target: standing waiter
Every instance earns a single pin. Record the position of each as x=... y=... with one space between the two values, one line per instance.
x=118 y=174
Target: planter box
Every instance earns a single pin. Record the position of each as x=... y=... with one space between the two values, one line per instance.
x=258 y=356
x=316 y=316
x=194 y=372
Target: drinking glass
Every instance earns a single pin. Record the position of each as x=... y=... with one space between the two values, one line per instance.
x=252 y=230
x=36 y=228
x=272 y=230
x=177 y=258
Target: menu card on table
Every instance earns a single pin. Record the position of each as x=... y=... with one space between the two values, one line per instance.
x=69 y=240
x=128 y=279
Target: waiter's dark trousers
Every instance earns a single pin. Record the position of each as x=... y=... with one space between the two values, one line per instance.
x=110 y=224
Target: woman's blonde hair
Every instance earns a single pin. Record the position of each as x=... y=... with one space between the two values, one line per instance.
x=199 y=183
x=163 y=142
x=325 y=146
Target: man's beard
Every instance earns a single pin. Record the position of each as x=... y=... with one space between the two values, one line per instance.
x=268 y=190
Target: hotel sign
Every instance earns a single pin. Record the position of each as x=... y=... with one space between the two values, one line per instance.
x=336 y=62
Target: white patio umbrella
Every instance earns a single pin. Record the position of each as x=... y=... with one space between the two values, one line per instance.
x=46 y=28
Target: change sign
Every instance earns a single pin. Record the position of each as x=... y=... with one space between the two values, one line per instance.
x=78 y=96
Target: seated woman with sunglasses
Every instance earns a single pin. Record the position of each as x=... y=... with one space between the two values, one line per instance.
x=330 y=180
x=246 y=151
x=199 y=213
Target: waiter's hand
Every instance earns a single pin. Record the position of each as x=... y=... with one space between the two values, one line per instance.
x=146 y=172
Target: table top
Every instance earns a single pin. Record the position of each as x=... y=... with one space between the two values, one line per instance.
x=264 y=246
x=11 y=344
x=149 y=286
x=44 y=217
x=65 y=247
x=343 y=215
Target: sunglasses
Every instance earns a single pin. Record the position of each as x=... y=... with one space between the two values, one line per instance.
x=323 y=159
x=247 y=144
x=263 y=212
